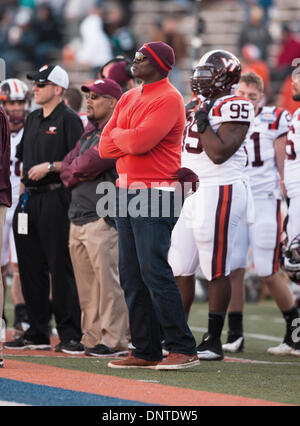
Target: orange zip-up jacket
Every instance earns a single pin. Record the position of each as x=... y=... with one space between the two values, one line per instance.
x=145 y=134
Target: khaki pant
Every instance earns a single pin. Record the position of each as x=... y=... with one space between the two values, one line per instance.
x=2 y=222
x=94 y=254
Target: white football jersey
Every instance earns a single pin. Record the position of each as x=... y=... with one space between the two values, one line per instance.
x=15 y=164
x=230 y=108
x=269 y=124
x=292 y=159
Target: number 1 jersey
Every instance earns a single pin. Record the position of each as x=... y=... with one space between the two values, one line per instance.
x=226 y=109
x=269 y=124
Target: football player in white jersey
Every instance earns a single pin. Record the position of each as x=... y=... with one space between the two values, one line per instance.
x=213 y=149
x=292 y=167
x=291 y=246
x=15 y=98
x=186 y=283
x=265 y=144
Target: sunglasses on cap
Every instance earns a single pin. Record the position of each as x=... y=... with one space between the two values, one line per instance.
x=139 y=57
x=94 y=96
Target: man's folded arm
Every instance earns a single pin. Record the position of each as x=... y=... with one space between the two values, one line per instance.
x=107 y=147
x=87 y=165
x=155 y=126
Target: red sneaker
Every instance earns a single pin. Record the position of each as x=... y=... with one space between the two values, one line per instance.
x=132 y=361
x=176 y=361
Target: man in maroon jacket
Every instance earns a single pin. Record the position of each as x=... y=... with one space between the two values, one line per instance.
x=5 y=194
x=93 y=237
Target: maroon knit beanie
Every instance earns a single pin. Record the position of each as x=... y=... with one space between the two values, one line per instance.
x=160 y=54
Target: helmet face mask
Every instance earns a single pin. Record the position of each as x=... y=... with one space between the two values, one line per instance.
x=215 y=74
x=15 y=97
x=295 y=252
x=16 y=111
x=202 y=80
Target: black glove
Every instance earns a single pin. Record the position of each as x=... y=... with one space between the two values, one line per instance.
x=190 y=107
x=201 y=117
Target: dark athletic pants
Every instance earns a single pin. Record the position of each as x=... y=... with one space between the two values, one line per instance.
x=45 y=250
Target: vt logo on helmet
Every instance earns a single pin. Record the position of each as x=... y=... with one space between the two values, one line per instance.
x=216 y=73
x=230 y=64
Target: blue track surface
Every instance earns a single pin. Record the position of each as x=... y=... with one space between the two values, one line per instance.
x=38 y=395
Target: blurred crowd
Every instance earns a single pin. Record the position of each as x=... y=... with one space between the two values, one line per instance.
x=255 y=42
x=89 y=33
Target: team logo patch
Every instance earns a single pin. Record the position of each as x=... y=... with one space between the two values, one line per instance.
x=52 y=130
x=43 y=68
x=268 y=117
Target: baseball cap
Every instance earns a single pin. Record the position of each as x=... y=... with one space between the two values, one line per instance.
x=53 y=73
x=160 y=54
x=104 y=86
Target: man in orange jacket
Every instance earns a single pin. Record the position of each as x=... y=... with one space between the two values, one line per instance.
x=144 y=134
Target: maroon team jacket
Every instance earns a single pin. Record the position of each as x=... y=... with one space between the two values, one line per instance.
x=85 y=163
x=5 y=186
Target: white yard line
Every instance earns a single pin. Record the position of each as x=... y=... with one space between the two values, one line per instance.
x=13 y=404
x=254 y=361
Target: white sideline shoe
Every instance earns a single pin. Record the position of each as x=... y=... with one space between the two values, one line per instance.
x=233 y=347
x=282 y=349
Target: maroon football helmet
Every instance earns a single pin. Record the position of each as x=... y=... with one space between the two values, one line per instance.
x=216 y=72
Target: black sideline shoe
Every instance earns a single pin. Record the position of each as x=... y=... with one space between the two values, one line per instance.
x=104 y=351
x=24 y=344
x=72 y=347
x=210 y=349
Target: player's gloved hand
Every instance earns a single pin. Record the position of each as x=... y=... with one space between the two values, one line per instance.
x=201 y=117
x=190 y=107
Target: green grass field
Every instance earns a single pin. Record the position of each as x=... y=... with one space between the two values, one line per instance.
x=266 y=377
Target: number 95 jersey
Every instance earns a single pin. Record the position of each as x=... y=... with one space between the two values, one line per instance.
x=226 y=109
x=292 y=160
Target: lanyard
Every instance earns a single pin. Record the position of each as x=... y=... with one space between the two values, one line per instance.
x=24 y=201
